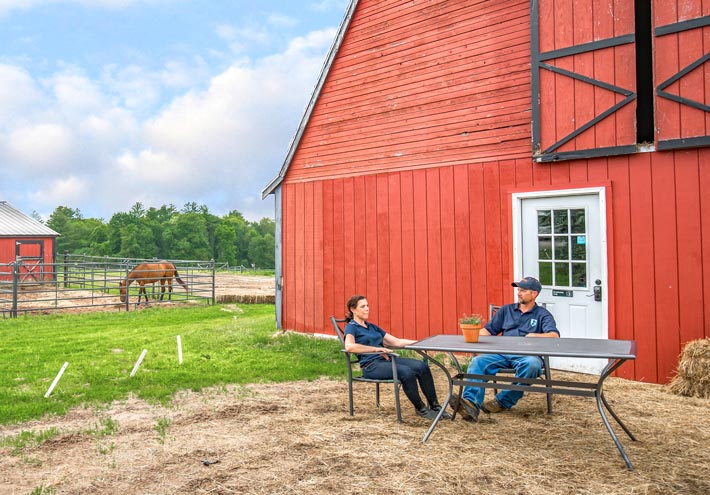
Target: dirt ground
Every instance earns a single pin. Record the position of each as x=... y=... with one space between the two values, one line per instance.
x=298 y=438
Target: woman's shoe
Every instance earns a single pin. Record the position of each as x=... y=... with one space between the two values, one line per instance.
x=426 y=413
x=436 y=407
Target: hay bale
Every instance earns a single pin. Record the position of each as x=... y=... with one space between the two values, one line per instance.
x=693 y=378
x=247 y=299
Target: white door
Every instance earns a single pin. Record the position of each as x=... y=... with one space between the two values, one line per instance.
x=564 y=246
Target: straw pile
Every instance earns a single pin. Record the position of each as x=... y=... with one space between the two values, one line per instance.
x=247 y=298
x=693 y=378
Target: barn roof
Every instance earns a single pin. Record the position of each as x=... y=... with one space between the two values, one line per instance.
x=15 y=223
x=295 y=141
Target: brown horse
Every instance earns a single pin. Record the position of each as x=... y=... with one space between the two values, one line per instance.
x=148 y=273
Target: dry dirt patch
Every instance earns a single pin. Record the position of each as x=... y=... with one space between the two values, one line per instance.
x=297 y=438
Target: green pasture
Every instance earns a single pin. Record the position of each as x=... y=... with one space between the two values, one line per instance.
x=221 y=344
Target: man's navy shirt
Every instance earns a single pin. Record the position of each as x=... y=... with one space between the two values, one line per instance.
x=511 y=322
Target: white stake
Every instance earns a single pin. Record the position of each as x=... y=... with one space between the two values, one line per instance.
x=56 y=380
x=138 y=363
x=179 y=349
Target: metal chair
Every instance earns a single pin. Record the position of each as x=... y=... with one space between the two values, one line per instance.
x=492 y=309
x=352 y=361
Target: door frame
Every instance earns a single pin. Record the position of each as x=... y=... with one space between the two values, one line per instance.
x=517 y=199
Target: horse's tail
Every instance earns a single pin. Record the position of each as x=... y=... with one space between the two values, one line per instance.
x=180 y=281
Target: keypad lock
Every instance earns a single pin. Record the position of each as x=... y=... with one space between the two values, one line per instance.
x=598 y=291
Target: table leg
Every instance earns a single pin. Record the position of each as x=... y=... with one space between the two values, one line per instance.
x=448 y=394
x=602 y=402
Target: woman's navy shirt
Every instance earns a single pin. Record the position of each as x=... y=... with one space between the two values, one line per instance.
x=371 y=335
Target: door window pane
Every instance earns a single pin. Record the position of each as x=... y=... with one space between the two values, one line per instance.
x=545 y=273
x=544 y=248
x=579 y=223
x=561 y=223
x=562 y=274
x=579 y=247
x=544 y=222
x=561 y=247
x=579 y=274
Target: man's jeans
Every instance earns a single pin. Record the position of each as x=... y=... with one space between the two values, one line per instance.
x=490 y=364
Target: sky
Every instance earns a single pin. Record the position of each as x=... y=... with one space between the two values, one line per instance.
x=106 y=103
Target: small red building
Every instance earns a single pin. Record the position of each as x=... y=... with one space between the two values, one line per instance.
x=24 y=239
x=452 y=147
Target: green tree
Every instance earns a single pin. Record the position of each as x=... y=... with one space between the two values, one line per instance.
x=186 y=237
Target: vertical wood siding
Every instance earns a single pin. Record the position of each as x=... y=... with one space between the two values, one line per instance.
x=566 y=103
x=426 y=246
x=674 y=52
x=8 y=252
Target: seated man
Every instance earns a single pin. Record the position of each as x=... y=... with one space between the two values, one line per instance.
x=522 y=319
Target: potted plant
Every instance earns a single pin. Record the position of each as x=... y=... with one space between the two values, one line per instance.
x=471 y=326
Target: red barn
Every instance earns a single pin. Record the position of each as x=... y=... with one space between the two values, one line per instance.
x=24 y=239
x=451 y=147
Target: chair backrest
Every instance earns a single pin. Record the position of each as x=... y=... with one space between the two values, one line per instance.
x=339 y=331
x=493 y=309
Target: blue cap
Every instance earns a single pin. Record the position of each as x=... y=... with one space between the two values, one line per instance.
x=528 y=283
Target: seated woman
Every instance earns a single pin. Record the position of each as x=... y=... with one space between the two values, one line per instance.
x=367 y=339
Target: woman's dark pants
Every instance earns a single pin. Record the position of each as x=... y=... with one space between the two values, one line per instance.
x=409 y=371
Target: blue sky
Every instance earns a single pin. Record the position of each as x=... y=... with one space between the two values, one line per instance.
x=105 y=103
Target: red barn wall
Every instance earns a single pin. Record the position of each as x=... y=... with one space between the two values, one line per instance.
x=8 y=252
x=427 y=245
x=400 y=187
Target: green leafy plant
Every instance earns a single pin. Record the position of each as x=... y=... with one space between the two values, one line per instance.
x=162 y=428
x=27 y=439
x=473 y=319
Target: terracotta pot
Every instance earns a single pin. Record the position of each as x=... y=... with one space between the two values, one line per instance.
x=470 y=331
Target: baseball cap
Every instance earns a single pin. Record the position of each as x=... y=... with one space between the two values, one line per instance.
x=528 y=283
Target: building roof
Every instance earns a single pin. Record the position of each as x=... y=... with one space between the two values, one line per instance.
x=15 y=223
x=269 y=189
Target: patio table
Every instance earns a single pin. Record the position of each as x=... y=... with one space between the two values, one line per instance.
x=616 y=351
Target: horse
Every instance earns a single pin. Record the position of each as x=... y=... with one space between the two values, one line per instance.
x=148 y=273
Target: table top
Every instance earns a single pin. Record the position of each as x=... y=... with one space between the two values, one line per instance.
x=531 y=346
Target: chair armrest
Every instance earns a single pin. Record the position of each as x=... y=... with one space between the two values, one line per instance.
x=358 y=353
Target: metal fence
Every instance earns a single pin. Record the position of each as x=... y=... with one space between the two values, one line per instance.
x=81 y=283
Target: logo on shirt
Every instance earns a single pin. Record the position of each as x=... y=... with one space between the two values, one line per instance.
x=533 y=323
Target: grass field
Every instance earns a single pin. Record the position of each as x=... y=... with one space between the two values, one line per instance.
x=221 y=344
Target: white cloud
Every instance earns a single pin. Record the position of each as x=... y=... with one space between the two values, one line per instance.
x=42 y=148
x=65 y=191
x=76 y=94
x=100 y=145
x=18 y=94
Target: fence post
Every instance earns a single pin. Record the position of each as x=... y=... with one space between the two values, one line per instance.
x=15 y=276
x=126 y=286
x=66 y=268
x=213 y=282
x=105 y=290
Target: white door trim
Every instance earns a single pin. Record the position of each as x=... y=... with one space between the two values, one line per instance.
x=517 y=199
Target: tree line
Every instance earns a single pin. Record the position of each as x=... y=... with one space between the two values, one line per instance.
x=191 y=233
